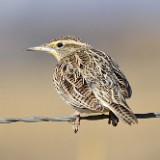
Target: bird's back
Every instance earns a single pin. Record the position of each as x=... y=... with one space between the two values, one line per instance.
x=89 y=79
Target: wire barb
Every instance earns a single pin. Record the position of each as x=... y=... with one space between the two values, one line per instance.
x=71 y=118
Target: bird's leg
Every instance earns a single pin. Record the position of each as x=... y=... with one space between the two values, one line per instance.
x=76 y=123
x=113 y=119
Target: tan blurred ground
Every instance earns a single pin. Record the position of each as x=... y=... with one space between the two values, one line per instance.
x=128 y=31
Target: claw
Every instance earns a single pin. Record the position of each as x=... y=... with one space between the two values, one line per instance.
x=113 y=119
x=76 y=123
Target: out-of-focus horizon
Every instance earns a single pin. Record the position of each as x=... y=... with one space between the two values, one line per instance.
x=129 y=31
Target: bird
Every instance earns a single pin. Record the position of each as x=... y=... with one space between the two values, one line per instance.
x=89 y=80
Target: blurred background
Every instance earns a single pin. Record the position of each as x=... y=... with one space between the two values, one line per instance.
x=129 y=31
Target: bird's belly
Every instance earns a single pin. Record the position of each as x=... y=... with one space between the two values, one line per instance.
x=89 y=111
x=76 y=92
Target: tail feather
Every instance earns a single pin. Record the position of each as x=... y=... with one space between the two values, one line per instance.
x=124 y=113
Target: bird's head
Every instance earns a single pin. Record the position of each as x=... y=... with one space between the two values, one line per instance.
x=61 y=47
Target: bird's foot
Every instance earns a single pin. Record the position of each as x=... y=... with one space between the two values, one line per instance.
x=113 y=119
x=76 y=122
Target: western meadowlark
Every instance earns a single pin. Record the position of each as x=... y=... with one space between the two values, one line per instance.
x=89 y=80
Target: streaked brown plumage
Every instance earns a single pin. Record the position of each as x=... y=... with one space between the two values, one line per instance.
x=89 y=80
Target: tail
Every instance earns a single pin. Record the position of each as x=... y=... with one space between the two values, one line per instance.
x=124 y=113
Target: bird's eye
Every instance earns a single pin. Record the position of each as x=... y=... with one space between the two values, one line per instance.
x=60 y=44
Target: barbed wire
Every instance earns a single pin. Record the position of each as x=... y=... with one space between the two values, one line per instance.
x=70 y=118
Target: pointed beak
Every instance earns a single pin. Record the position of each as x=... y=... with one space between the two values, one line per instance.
x=40 y=48
x=46 y=48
